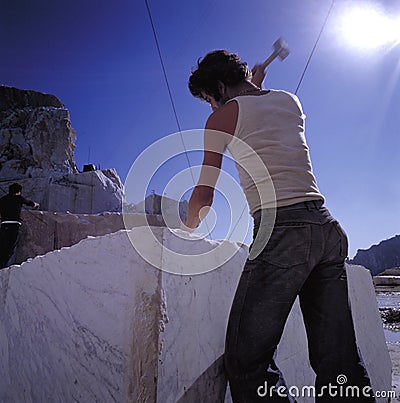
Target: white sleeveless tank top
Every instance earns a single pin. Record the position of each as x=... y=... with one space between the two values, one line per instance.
x=272 y=125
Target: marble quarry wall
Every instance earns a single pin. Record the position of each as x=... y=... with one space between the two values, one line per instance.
x=174 y=211
x=86 y=192
x=37 y=144
x=96 y=322
x=36 y=136
x=44 y=231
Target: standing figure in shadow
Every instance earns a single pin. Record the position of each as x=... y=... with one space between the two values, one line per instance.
x=10 y=214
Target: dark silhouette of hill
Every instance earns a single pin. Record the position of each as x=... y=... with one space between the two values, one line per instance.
x=385 y=255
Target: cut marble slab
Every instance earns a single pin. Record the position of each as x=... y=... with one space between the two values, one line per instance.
x=45 y=231
x=96 y=322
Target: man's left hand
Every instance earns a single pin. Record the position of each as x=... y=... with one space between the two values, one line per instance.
x=258 y=75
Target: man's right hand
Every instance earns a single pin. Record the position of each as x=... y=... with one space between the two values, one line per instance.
x=36 y=206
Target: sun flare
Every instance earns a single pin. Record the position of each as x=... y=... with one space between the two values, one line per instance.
x=368 y=27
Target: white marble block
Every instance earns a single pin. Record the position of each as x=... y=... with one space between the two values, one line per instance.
x=86 y=192
x=96 y=322
x=369 y=331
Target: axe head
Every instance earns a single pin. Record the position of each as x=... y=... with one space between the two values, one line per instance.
x=281 y=48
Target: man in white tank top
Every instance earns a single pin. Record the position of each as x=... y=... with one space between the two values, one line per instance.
x=298 y=249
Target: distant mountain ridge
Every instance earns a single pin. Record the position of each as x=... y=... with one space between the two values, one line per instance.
x=385 y=255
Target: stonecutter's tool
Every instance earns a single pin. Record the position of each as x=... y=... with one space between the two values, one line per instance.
x=281 y=50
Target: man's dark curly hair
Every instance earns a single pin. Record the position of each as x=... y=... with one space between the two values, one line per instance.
x=218 y=65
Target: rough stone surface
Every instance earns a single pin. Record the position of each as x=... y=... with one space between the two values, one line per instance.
x=368 y=328
x=15 y=98
x=394 y=351
x=174 y=212
x=96 y=322
x=87 y=192
x=72 y=323
x=37 y=146
x=36 y=142
x=87 y=321
x=44 y=232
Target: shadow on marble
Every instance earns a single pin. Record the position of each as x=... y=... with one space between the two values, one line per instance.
x=212 y=380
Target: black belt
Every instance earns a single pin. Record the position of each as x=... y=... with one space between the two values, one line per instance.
x=313 y=204
x=309 y=205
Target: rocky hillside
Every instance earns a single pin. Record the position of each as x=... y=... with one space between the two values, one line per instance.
x=36 y=138
x=377 y=258
x=37 y=144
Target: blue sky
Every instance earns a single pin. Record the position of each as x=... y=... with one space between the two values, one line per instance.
x=99 y=58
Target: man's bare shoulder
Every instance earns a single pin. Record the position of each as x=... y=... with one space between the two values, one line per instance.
x=224 y=118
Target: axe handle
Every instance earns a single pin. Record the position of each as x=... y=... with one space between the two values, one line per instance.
x=269 y=60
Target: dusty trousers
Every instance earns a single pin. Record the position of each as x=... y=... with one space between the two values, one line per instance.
x=8 y=241
x=304 y=257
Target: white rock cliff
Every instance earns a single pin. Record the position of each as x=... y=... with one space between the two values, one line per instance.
x=37 y=146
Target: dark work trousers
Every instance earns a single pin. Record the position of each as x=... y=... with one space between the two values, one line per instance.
x=304 y=257
x=8 y=241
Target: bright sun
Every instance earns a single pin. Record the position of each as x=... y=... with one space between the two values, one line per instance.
x=367 y=27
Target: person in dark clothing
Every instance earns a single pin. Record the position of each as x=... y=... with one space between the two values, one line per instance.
x=10 y=213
